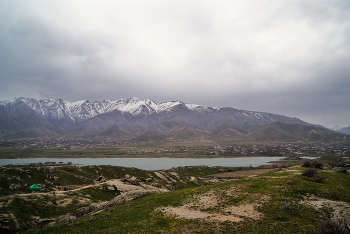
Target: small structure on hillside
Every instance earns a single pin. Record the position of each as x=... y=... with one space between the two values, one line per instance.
x=34 y=187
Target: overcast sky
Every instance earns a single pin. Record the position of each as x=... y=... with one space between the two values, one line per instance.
x=284 y=57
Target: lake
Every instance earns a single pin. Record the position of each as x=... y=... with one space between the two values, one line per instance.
x=151 y=163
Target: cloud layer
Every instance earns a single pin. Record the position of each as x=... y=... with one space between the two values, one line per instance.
x=284 y=57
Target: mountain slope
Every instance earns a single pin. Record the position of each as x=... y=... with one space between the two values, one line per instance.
x=345 y=129
x=286 y=132
x=141 y=119
x=19 y=120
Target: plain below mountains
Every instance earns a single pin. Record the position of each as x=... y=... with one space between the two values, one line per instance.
x=138 y=119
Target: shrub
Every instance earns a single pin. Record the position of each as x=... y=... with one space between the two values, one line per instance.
x=344 y=169
x=317 y=164
x=312 y=164
x=306 y=163
x=318 y=178
x=310 y=172
x=313 y=172
x=335 y=226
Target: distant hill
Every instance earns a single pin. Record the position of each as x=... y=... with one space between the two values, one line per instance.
x=345 y=129
x=138 y=119
x=279 y=131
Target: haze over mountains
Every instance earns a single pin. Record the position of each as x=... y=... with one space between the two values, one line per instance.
x=345 y=129
x=138 y=119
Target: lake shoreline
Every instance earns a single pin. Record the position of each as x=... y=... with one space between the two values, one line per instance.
x=145 y=163
x=141 y=156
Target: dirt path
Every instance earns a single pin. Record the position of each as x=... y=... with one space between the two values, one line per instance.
x=52 y=193
x=198 y=207
x=121 y=186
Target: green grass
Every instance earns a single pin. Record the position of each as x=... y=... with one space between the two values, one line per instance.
x=8 y=152
x=37 y=206
x=68 y=175
x=282 y=213
x=198 y=170
x=98 y=195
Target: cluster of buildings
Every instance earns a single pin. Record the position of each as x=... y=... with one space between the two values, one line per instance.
x=268 y=149
x=276 y=149
x=280 y=149
x=61 y=143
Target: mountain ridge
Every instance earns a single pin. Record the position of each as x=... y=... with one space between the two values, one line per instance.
x=88 y=108
x=136 y=118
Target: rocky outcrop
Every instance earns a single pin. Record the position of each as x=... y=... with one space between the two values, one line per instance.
x=156 y=185
x=131 y=179
x=149 y=180
x=16 y=188
x=5 y=219
x=128 y=196
x=49 y=222
x=101 y=179
x=134 y=181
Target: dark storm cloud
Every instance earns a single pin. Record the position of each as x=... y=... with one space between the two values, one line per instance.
x=285 y=57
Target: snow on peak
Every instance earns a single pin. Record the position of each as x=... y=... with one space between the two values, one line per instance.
x=133 y=106
x=167 y=106
x=133 y=100
x=336 y=127
x=193 y=106
x=84 y=109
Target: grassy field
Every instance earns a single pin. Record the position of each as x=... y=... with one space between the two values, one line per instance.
x=277 y=199
x=276 y=202
x=195 y=148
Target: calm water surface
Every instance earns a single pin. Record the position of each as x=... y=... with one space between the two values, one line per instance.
x=151 y=163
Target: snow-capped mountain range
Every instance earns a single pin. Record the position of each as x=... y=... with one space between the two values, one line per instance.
x=131 y=118
x=85 y=109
